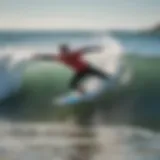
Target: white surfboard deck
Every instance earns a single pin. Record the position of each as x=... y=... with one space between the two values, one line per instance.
x=75 y=97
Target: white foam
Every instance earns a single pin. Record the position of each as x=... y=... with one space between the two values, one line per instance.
x=57 y=140
x=12 y=65
x=109 y=59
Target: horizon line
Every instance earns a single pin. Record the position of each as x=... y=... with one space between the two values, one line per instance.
x=74 y=29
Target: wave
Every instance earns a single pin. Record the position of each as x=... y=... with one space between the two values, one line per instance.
x=32 y=85
x=23 y=140
x=15 y=61
x=12 y=66
x=131 y=103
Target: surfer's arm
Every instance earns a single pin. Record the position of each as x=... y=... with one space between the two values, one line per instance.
x=90 y=49
x=48 y=57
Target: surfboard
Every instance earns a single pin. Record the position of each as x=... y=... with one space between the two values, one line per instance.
x=75 y=97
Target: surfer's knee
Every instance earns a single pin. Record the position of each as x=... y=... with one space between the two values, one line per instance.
x=100 y=74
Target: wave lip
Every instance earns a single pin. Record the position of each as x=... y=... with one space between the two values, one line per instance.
x=12 y=66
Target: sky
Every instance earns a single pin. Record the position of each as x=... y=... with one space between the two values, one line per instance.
x=79 y=14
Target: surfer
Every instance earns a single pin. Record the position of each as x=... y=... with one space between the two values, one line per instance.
x=74 y=60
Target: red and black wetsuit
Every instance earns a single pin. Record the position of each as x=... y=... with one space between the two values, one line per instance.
x=74 y=60
x=82 y=68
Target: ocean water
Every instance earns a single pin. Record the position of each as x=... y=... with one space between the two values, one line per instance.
x=139 y=43
x=24 y=141
x=129 y=113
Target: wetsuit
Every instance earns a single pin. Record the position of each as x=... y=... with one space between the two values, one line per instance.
x=82 y=68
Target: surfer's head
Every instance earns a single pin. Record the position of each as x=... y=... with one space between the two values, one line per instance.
x=64 y=49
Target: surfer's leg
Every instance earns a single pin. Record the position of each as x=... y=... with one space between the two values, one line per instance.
x=74 y=84
x=98 y=73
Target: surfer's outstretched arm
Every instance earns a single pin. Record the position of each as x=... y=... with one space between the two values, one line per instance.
x=48 y=57
x=90 y=49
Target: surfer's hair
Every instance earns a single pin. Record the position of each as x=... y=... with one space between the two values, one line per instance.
x=64 y=47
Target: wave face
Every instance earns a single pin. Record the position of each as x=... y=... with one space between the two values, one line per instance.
x=15 y=61
x=27 y=87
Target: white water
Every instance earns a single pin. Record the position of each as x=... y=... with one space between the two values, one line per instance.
x=110 y=61
x=12 y=65
x=48 y=141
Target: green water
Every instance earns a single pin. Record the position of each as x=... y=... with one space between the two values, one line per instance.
x=134 y=103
